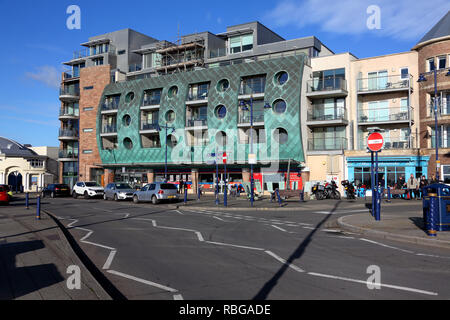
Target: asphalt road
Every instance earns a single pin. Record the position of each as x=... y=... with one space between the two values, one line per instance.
x=153 y=252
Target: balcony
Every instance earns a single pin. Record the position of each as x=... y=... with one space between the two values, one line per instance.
x=320 y=115
x=68 y=134
x=217 y=53
x=149 y=127
x=109 y=130
x=393 y=143
x=197 y=99
x=383 y=116
x=89 y=52
x=252 y=87
x=135 y=67
x=69 y=113
x=71 y=75
x=65 y=155
x=383 y=84
x=151 y=102
x=245 y=119
x=327 y=144
x=197 y=122
x=69 y=93
x=335 y=87
x=110 y=107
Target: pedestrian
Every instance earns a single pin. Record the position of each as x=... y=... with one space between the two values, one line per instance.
x=422 y=184
x=181 y=190
x=411 y=185
x=432 y=180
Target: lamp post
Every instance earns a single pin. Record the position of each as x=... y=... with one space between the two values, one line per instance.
x=423 y=79
x=244 y=107
x=160 y=128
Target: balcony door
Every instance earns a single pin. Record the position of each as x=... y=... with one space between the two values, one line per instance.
x=378 y=111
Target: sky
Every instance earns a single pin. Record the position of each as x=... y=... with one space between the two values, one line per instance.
x=36 y=40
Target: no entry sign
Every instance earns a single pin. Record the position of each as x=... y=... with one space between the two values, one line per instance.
x=224 y=158
x=375 y=142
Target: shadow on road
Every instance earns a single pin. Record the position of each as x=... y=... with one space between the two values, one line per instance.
x=270 y=285
x=16 y=282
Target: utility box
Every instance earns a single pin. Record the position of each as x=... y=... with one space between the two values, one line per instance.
x=442 y=193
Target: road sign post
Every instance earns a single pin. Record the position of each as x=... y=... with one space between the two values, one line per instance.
x=225 y=192
x=375 y=143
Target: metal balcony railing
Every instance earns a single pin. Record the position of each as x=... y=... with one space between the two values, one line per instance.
x=319 y=112
x=333 y=84
x=198 y=96
x=110 y=105
x=69 y=91
x=68 y=133
x=65 y=154
x=135 y=67
x=383 y=83
x=216 y=53
x=196 y=122
x=393 y=143
x=73 y=112
x=87 y=52
x=383 y=114
x=109 y=128
x=151 y=100
x=246 y=117
x=150 y=126
x=324 y=144
x=252 y=86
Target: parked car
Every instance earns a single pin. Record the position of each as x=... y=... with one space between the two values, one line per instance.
x=156 y=192
x=118 y=191
x=87 y=189
x=8 y=191
x=54 y=190
x=4 y=196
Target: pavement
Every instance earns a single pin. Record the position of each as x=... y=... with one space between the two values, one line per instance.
x=405 y=225
x=35 y=257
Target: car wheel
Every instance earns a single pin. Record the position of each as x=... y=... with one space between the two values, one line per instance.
x=154 y=200
x=116 y=198
x=135 y=199
x=74 y=195
x=86 y=195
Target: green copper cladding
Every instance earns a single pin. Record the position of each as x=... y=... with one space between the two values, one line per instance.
x=267 y=152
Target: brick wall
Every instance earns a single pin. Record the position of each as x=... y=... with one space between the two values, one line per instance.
x=97 y=77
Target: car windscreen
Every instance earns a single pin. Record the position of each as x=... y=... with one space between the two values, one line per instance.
x=123 y=186
x=168 y=186
x=91 y=184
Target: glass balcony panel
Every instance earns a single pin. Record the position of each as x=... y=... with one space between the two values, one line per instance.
x=328 y=143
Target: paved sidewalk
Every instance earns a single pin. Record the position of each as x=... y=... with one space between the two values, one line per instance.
x=403 y=223
x=34 y=257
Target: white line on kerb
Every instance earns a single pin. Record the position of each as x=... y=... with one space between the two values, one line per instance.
x=109 y=260
x=153 y=284
x=374 y=284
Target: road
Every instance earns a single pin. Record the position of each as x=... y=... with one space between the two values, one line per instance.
x=153 y=252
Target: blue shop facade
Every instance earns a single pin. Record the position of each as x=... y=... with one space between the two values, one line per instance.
x=390 y=168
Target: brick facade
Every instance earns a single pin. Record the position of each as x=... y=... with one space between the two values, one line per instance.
x=93 y=81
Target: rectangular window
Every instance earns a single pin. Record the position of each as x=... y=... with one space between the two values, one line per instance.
x=88 y=130
x=446 y=174
x=97 y=61
x=240 y=43
x=404 y=73
x=87 y=151
x=430 y=65
x=88 y=109
x=88 y=88
x=120 y=52
x=442 y=62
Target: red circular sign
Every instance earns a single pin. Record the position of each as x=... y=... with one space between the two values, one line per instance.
x=224 y=158
x=375 y=142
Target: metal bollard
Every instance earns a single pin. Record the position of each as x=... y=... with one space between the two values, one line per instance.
x=278 y=196
x=378 y=206
x=27 y=200
x=302 y=195
x=185 y=195
x=38 y=208
x=225 y=200
x=431 y=215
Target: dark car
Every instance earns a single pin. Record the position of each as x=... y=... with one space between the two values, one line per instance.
x=56 y=190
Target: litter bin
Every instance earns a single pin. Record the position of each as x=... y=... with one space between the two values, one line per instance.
x=442 y=217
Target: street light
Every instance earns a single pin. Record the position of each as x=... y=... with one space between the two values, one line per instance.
x=160 y=128
x=422 y=78
x=244 y=107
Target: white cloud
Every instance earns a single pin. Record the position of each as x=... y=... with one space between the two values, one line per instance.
x=48 y=75
x=400 y=19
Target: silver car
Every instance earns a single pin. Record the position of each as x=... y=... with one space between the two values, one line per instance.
x=156 y=192
x=118 y=191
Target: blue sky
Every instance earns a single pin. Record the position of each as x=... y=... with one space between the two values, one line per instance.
x=36 y=40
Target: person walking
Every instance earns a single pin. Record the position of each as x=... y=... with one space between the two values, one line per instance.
x=182 y=186
x=422 y=184
x=412 y=186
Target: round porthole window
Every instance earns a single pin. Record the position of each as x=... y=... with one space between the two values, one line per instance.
x=170 y=116
x=280 y=135
x=127 y=143
x=223 y=85
x=221 y=138
x=173 y=91
x=279 y=106
x=129 y=97
x=126 y=120
x=281 y=78
x=171 y=141
x=221 y=111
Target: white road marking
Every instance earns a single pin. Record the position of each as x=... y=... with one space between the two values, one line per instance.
x=234 y=245
x=179 y=212
x=150 y=283
x=370 y=283
x=278 y=228
x=178 y=297
x=72 y=223
x=385 y=245
x=283 y=261
x=108 y=262
x=219 y=218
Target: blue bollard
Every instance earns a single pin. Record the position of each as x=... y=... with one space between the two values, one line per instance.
x=225 y=200
x=38 y=208
x=278 y=196
x=431 y=216
x=389 y=194
x=185 y=195
x=302 y=195
x=27 y=201
x=378 y=206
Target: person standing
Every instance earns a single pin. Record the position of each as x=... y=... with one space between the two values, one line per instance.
x=422 y=184
x=412 y=186
x=181 y=186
